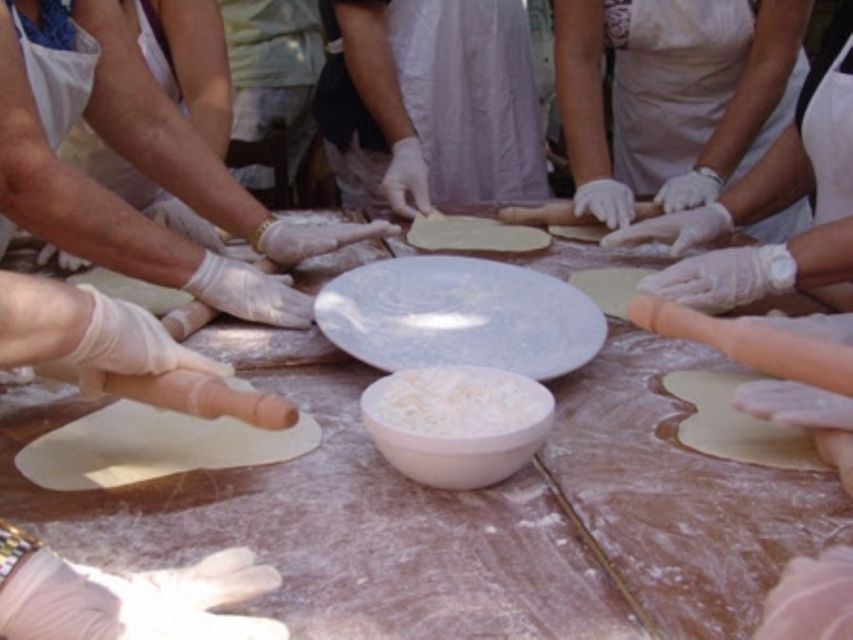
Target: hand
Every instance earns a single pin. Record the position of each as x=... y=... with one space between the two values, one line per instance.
x=793 y=404
x=65 y=260
x=173 y=214
x=833 y=328
x=51 y=599
x=243 y=291
x=290 y=244
x=812 y=599
x=688 y=191
x=609 y=201
x=406 y=174
x=124 y=338
x=684 y=229
x=721 y=280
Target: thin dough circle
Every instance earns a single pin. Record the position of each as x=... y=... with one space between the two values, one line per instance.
x=465 y=233
x=158 y=300
x=611 y=289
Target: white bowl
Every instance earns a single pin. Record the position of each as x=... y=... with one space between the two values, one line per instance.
x=468 y=433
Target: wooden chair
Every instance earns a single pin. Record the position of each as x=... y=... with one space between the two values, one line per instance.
x=269 y=151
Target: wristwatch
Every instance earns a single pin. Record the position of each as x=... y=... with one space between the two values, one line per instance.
x=779 y=267
x=708 y=172
x=14 y=544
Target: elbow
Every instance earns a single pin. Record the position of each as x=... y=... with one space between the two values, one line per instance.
x=25 y=167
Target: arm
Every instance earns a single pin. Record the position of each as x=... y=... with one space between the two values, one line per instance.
x=128 y=110
x=780 y=28
x=196 y=37
x=579 y=36
x=371 y=65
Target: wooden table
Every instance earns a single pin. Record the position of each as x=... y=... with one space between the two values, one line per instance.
x=615 y=532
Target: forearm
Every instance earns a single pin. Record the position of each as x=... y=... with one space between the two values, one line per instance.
x=129 y=111
x=824 y=254
x=371 y=65
x=782 y=177
x=779 y=33
x=578 y=59
x=40 y=319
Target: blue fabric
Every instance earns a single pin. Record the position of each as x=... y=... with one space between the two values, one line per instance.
x=56 y=31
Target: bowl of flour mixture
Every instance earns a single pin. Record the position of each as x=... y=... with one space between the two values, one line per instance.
x=457 y=427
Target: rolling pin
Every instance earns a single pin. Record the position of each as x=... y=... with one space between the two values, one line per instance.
x=196 y=394
x=561 y=212
x=784 y=354
x=184 y=321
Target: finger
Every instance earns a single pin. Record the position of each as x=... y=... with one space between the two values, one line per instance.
x=686 y=239
x=189 y=359
x=678 y=290
x=810 y=419
x=351 y=233
x=397 y=200
x=638 y=234
x=660 y=196
x=230 y=627
x=45 y=255
x=237 y=586
x=420 y=192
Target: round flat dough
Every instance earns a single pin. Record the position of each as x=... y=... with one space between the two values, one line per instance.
x=610 y=288
x=157 y=300
x=720 y=430
x=129 y=442
x=465 y=233
x=587 y=233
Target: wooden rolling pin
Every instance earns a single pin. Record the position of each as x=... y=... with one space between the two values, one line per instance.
x=562 y=212
x=181 y=323
x=784 y=354
x=196 y=394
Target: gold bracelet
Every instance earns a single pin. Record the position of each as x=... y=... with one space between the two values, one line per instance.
x=14 y=544
x=255 y=238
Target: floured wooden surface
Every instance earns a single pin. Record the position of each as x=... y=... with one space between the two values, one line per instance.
x=365 y=553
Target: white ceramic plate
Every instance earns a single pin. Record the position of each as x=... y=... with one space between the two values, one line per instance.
x=440 y=310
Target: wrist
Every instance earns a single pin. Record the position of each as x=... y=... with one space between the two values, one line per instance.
x=16 y=547
x=256 y=238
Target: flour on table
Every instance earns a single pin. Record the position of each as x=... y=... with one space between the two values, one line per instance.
x=588 y=233
x=437 y=232
x=611 y=289
x=158 y=300
x=720 y=430
x=130 y=442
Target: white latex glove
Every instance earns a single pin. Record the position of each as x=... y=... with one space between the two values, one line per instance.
x=45 y=599
x=243 y=291
x=171 y=604
x=289 y=244
x=65 y=260
x=812 y=599
x=49 y=599
x=407 y=173
x=124 y=338
x=608 y=200
x=173 y=214
x=687 y=191
x=793 y=404
x=833 y=328
x=684 y=229
x=721 y=280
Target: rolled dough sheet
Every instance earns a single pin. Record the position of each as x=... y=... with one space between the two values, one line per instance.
x=588 y=233
x=610 y=288
x=129 y=442
x=158 y=300
x=438 y=232
x=720 y=430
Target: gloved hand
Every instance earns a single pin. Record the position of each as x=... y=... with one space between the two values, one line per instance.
x=70 y=601
x=812 y=599
x=793 y=404
x=173 y=214
x=833 y=328
x=407 y=173
x=685 y=192
x=65 y=260
x=684 y=229
x=609 y=201
x=46 y=599
x=124 y=338
x=290 y=244
x=243 y=291
x=721 y=280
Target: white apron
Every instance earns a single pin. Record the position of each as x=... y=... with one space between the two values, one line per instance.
x=61 y=83
x=828 y=138
x=466 y=74
x=671 y=87
x=84 y=149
